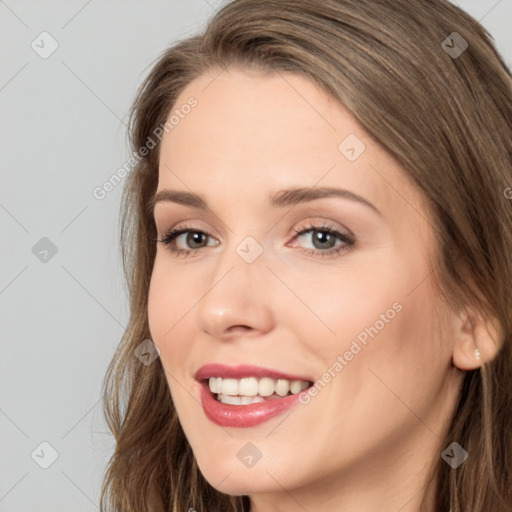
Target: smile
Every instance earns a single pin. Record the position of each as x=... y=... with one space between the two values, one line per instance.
x=245 y=396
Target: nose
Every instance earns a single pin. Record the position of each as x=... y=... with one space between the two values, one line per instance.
x=237 y=299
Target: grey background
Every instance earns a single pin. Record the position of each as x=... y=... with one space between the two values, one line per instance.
x=63 y=133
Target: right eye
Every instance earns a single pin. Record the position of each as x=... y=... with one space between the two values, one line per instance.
x=193 y=238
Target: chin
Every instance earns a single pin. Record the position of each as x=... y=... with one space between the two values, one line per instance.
x=237 y=480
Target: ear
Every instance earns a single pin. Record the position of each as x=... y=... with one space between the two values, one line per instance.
x=475 y=333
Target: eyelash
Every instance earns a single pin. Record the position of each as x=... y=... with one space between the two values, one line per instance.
x=168 y=239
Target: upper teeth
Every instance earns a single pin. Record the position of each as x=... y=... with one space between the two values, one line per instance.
x=251 y=386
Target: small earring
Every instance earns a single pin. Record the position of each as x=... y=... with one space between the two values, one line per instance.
x=477 y=354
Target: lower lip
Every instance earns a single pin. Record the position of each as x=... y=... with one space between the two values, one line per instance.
x=227 y=415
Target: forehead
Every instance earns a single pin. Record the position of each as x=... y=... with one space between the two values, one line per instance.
x=252 y=130
x=279 y=111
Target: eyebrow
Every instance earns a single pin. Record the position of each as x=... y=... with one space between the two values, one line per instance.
x=280 y=199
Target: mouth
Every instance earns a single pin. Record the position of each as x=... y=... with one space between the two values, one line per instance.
x=246 y=395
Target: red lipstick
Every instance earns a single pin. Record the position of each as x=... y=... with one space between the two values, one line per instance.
x=243 y=416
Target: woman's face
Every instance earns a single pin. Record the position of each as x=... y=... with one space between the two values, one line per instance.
x=351 y=309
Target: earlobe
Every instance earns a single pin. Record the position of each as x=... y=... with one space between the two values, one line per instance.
x=465 y=356
x=478 y=342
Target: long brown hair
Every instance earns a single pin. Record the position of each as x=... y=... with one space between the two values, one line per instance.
x=446 y=117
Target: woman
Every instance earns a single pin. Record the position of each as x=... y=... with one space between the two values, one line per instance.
x=317 y=241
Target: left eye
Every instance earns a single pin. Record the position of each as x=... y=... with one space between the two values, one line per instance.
x=323 y=238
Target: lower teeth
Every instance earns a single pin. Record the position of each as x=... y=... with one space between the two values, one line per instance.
x=244 y=400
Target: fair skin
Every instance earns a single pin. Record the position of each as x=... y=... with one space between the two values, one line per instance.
x=365 y=441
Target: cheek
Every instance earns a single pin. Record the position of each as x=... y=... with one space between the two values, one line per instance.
x=340 y=307
x=377 y=318
x=168 y=302
x=400 y=360
x=169 y=326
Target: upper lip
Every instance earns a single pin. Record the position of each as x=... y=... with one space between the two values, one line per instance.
x=243 y=370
